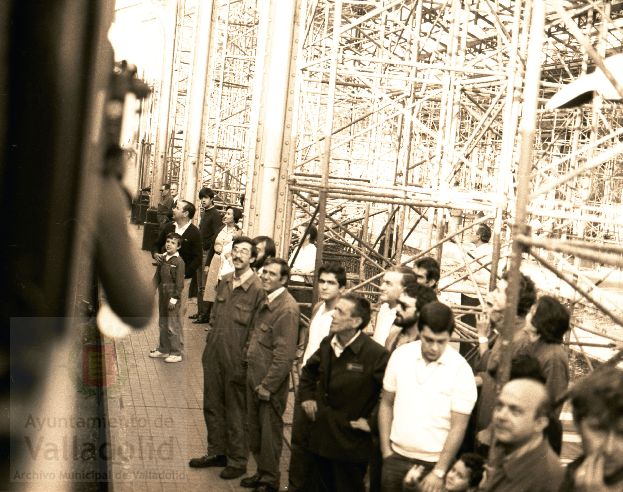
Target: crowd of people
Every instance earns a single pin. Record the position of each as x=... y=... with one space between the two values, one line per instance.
x=382 y=402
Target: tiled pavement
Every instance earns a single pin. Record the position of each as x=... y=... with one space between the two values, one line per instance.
x=156 y=417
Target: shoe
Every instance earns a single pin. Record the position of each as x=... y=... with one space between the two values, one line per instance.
x=155 y=354
x=173 y=358
x=201 y=320
x=208 y=460
x=229 y=472
x=194 y=316
x=264 y=487
x=251 y=482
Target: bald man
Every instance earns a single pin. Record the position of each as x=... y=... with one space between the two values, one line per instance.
x=523 y=460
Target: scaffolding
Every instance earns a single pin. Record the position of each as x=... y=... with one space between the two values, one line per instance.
x=404 y=129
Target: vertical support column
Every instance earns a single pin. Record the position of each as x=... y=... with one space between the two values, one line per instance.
x=527 y=132
x=164 y=102
x=197 y=107
x=325 y=157
x=506 y=159
x=269 y=115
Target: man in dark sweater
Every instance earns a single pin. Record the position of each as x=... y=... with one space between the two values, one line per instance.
x=339 y=388
x=190 y=251
x=209 y=226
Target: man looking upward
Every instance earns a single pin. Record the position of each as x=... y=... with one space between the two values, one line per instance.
x=392 y=286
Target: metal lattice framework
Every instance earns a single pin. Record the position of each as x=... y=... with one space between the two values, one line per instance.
x=231 y=74
x=404 y=124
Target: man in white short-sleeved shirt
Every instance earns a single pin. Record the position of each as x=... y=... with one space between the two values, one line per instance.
x=428 y=394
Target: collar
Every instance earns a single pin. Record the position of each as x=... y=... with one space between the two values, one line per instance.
x=167 y=257
x=386 y=309
x=182 y=230
x=243 y=281
x=442 y=360
x=338 y=348
x=274 y=294
x=519 y=461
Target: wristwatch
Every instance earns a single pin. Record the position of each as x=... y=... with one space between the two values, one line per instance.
x=438 y=473
x=482 y=339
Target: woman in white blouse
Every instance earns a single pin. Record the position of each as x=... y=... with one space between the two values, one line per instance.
x=221 y=263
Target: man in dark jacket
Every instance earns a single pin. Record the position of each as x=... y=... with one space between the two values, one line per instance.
x=272 y=349
x=339 y=388
x=209 y=226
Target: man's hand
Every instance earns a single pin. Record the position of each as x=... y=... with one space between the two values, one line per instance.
x=262 y=393
x=171 y=306
x=482 y=324
x=310 y=407
x=589 y=477
x=361 y=424
x=432 y=483
x=413 y=475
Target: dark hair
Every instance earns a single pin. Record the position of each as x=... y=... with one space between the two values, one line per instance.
x=245 y=239
x=285 y=269
x=206 y=192
x=188 y=207
x=527 y=293
x=408 y=275
x=312 y=233
x=476 y=465
x=175 y=235
x=270 y=251
x=421 y=293
x=599 y=395
x=236 y=211
x=361 y=308
x=525 y=366
x=551 y=319
x=431 y=266
x=437 y=316
x=336 y=269
x=484 y=233
x=167 y=186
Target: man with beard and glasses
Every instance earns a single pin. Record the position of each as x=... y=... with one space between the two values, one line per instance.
x=413 y=298
x=238 y=295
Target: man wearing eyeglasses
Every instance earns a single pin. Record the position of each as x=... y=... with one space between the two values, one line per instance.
x=238 y=295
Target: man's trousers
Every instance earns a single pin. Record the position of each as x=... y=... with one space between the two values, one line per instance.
x=265 y=419
x=224 y=411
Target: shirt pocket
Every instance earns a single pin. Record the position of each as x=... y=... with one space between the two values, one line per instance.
x=242 y=314
x=265 y=336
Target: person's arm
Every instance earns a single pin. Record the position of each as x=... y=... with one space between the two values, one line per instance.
x=128 y=288
x=386 y=417
x=285 y=337
x=434 y=480
x=156 y=248
x=310 y=376
x=179 y=278
x=556 y=372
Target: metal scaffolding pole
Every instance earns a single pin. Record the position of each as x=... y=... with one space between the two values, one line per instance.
x=197 y=106
x=164 y=100
x=272 y=108
x=527 y=133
